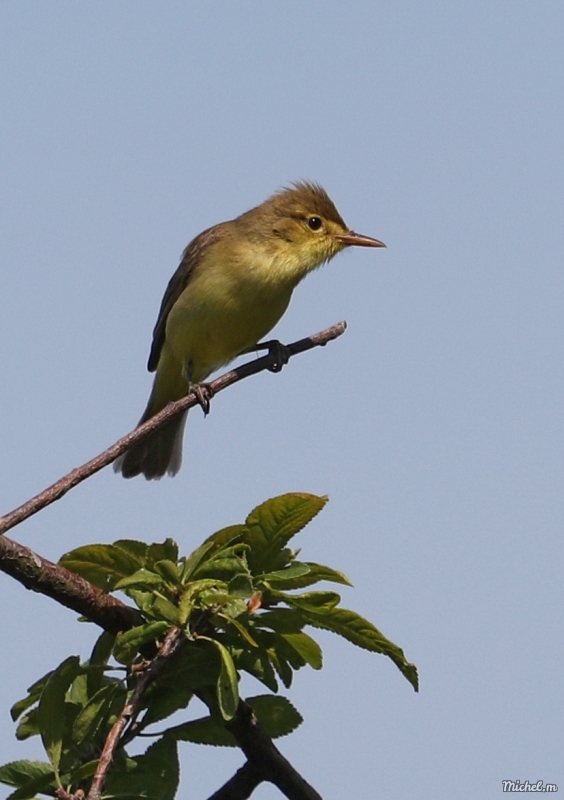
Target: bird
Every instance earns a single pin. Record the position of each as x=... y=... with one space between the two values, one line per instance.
x=232 y=286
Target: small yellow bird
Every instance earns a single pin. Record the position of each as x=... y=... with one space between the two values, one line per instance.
x=233 y=284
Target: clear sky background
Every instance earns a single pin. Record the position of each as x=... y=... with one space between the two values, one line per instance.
x=435 y=425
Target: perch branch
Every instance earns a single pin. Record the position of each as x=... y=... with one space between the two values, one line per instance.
x=76 y=476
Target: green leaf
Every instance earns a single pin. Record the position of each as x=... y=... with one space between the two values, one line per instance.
x=281 y=665
x=362 y=633
x=141 y=578
x=19 y=773
x=95 y=713
x=165 y=610
x=222 y=568
x=295 y=570
x=169 y=571
x=282 y=620
x=205 y=730
x=240 y=628
x=101 y=564
x=44 y=782
x=317 y=573
x=194 y=560
x=51 y=703
x=99 y=658
x=33 y=694
x=166 y=551
x=153 y=775
x=225 y=536
x=241 y=585
x=227 y=684
x=195 y=667
x=307 y=647
x=272 y=525
x=102 y=650
x=316 y=602
x=163 y=699
x=275 y=714
x=257 y=664
x=27 y=726
x=135 y=550
x=129 y=642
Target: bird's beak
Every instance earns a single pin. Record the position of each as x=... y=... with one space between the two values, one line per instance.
x=352 y=238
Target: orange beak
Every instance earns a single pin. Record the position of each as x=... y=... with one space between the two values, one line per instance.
x=352 y=238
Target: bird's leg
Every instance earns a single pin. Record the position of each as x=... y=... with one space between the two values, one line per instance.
x=276 y=349
x=203 y=391
x=204 y=394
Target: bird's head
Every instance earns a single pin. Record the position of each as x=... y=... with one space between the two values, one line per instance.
x=302 y=225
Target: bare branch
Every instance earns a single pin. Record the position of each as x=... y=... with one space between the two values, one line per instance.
x=76 y=476
x=265 y=757
x=241 y=785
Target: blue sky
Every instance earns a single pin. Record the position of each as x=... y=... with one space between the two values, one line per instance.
x=435 y=424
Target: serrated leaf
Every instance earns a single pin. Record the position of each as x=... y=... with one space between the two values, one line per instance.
x=42 y=783
x=19 y=773
x=272 y=524
x=206 y=730
x=162 y=551
x=241 y=585
x=135 y=549
x=364 y=634
x=275 y=714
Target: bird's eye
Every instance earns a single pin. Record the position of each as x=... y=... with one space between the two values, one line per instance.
x=314 y=223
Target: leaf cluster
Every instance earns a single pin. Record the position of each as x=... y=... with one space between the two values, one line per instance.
x=239 y=600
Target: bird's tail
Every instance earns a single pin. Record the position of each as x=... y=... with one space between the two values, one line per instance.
x=161 y=452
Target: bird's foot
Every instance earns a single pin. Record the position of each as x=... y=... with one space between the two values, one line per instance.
x=277 y=350
x=204 y=394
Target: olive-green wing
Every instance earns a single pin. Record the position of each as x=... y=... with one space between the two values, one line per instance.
x=191 y=257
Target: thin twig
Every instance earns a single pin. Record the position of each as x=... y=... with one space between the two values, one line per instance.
x=76 y=476
x=172 y=641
